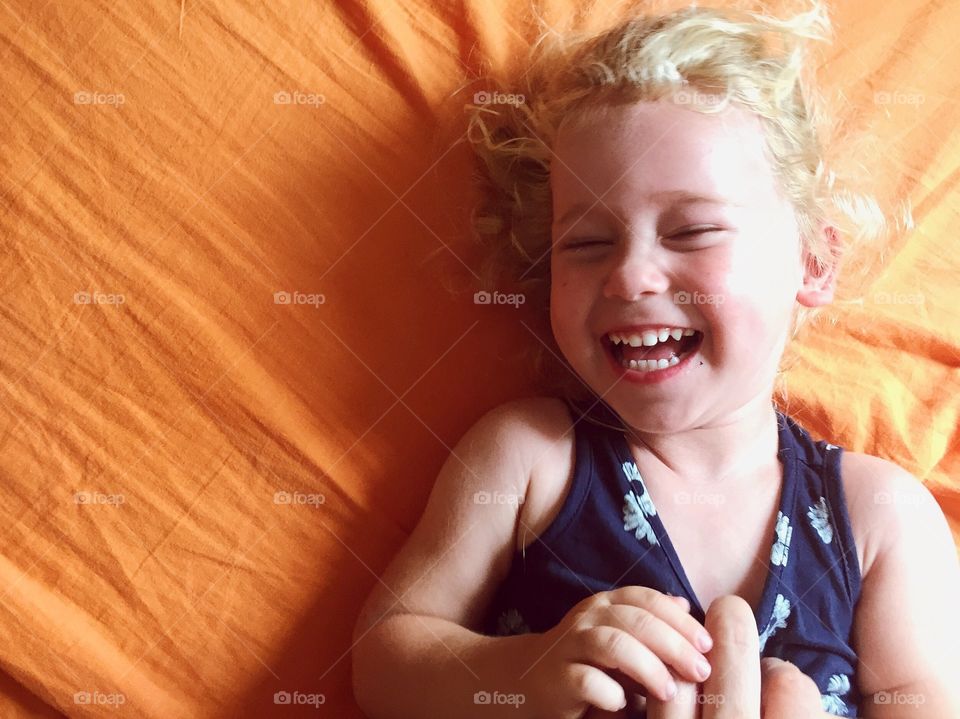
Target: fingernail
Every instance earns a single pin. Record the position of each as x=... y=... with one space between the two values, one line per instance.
x=671 y=689
x=703 y=668
x=704 y=642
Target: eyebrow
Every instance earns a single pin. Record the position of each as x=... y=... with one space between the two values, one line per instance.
x=678 y=197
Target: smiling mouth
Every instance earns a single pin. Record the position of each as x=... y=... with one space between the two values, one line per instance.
x=651 y=351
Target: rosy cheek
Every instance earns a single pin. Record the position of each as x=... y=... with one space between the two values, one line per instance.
x=737 y=272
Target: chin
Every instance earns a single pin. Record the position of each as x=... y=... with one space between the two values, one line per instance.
x=657 y=417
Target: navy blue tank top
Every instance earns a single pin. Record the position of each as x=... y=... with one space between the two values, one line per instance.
x=608 y=535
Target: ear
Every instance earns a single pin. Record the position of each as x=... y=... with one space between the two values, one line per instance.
x=820 y=274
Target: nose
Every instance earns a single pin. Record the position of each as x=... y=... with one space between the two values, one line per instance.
x=636 y=272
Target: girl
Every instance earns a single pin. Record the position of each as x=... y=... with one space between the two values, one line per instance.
x=661 y=189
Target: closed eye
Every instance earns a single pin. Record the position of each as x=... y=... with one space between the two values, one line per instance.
x=581 y=244
x=584 y=243
x=698 y=231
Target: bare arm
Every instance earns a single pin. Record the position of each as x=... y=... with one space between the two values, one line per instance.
x=415 y=654
x=906 y=629
x=412 y=666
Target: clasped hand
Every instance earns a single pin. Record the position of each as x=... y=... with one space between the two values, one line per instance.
x=740 y=685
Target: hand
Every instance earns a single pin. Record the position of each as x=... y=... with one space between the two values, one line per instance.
x=741 y=685
x=787 y=692
x=613 y=644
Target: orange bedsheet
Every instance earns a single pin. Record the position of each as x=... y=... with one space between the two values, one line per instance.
x=166 y=169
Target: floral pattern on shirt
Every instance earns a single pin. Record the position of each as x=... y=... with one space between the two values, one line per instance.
x=831 y=701
x=781 y=612
x=638 y=506
x=819 y=517
x=781 y=547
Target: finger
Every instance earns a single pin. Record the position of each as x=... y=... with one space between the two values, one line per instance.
x=675 y=611
x=786 y=692
x=733 y=689
x=682 y=706
x=683 y=602
x=609 y=647
x=596 y=688
x=671 y=647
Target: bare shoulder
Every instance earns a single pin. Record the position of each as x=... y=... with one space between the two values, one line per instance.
x=550 y=445
x=542 y=419
x=539 y=431
x=462 y=546
x=546 y=435
x=883 y=501
x=521 y=431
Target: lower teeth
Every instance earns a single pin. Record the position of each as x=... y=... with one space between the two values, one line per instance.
x=649 y=365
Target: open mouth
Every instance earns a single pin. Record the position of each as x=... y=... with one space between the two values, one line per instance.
x=652 y=350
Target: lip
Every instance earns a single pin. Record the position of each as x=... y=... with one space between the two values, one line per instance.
x=653 y=376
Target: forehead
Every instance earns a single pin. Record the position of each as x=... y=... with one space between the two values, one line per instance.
x=646 y=148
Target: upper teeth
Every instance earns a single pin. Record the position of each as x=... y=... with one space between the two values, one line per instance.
x=648 y=338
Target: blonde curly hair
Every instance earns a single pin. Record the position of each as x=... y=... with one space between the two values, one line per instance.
x=712 y=56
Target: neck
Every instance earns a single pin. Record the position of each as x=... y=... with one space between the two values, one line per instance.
x=736 y=445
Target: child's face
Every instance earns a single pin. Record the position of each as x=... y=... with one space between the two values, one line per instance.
x=737 y=286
